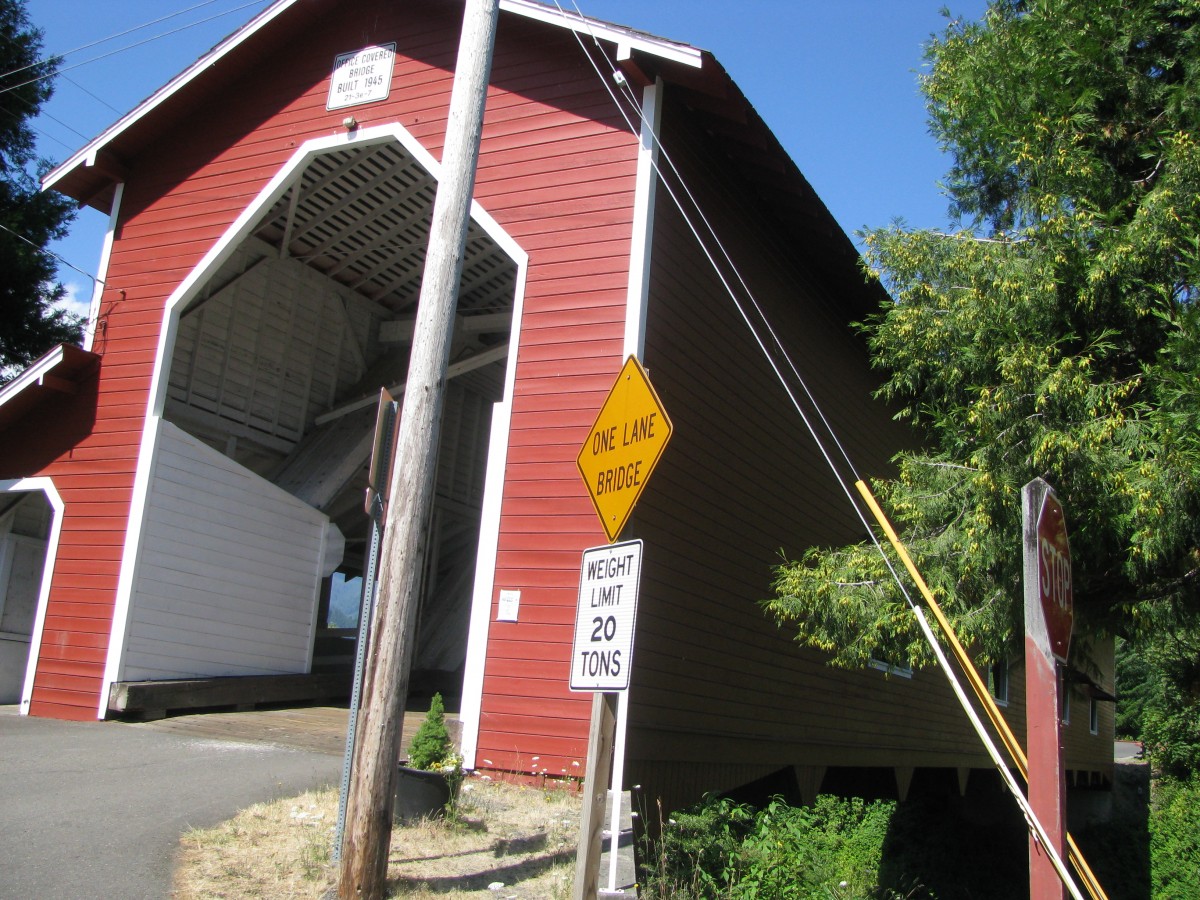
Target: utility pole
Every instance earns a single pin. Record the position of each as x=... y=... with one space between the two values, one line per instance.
x=385 y=686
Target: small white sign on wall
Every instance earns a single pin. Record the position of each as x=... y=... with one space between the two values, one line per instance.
x=507 y=608
x=362 y=76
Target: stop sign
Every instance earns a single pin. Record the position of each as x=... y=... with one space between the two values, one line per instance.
x=1054 y=576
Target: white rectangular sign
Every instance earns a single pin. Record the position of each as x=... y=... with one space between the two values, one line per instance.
x=509 y=606
x=604 y=621
x=362 y=76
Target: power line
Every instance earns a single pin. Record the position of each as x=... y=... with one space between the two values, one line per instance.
x=123 y=49
x=61 y=259
x=98 y=99
x=105 y=40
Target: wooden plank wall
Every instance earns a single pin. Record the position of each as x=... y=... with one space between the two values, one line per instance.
x=24 y=530
x=230 y=571
x=556 y=170
x=87 y=443
x=715 y=681
x=272 y=349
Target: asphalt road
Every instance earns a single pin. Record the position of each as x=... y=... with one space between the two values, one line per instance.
x=95 y=810
x=1127 y=751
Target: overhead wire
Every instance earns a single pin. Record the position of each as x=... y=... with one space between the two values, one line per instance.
x=96 y=43
x=96 y=97
x=1031 y=819
x=38 y=113
x=59 y=72
x=61 y=259
x=771 y=361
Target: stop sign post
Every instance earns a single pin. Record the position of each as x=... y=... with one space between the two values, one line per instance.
x=1049 y=619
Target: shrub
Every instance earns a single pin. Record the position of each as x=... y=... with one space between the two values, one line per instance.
x=830 y=850
x=1175 y=840
x=723 y=849
x=696 y=851
x=431 y=744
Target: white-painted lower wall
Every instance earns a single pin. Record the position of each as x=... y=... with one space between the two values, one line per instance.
x=21 y=562
x=229 y=574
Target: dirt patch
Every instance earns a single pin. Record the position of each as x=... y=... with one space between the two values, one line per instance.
x=506 y=841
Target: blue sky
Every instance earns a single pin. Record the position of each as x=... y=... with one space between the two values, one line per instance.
x=837 y=82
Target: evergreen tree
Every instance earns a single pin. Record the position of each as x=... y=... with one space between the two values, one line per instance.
x=30 y=219
x=431 y=744
x=1055 y=334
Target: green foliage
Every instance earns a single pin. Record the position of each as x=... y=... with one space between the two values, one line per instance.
x=1171 y=718
x=923 y=848
x=1055 y=335
x=431 y=745
x=724 y=849
x=28 y=324
x=1158 y=680
x=1175 y=840
x=830 y=850
x=1135 y=687
x=696 y=853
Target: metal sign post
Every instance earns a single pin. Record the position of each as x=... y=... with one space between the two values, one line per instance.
x=377 y=487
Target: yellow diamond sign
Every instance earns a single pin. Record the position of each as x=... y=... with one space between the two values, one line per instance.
x=623 y=447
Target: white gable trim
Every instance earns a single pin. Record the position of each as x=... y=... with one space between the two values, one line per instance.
x=46 y=486
x=626 y=40
x=87 y=156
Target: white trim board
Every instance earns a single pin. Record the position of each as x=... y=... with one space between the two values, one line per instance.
x=637 y=298
x=486 y=550
x=479 y=625
x=93 y=320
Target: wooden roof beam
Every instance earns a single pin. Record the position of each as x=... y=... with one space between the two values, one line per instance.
x=630 y=68
x=479 y=360
x=358 y=193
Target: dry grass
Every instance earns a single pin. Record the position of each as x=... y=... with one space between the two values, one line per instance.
x=519 y=837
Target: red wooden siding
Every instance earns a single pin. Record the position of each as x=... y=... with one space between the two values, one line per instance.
x=576 y=227
x=556 y=171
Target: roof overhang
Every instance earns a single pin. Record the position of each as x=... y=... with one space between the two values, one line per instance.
x=56 y=373
x=1088 y=685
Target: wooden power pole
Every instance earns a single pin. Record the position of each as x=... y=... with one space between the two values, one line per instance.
x=371 y=798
